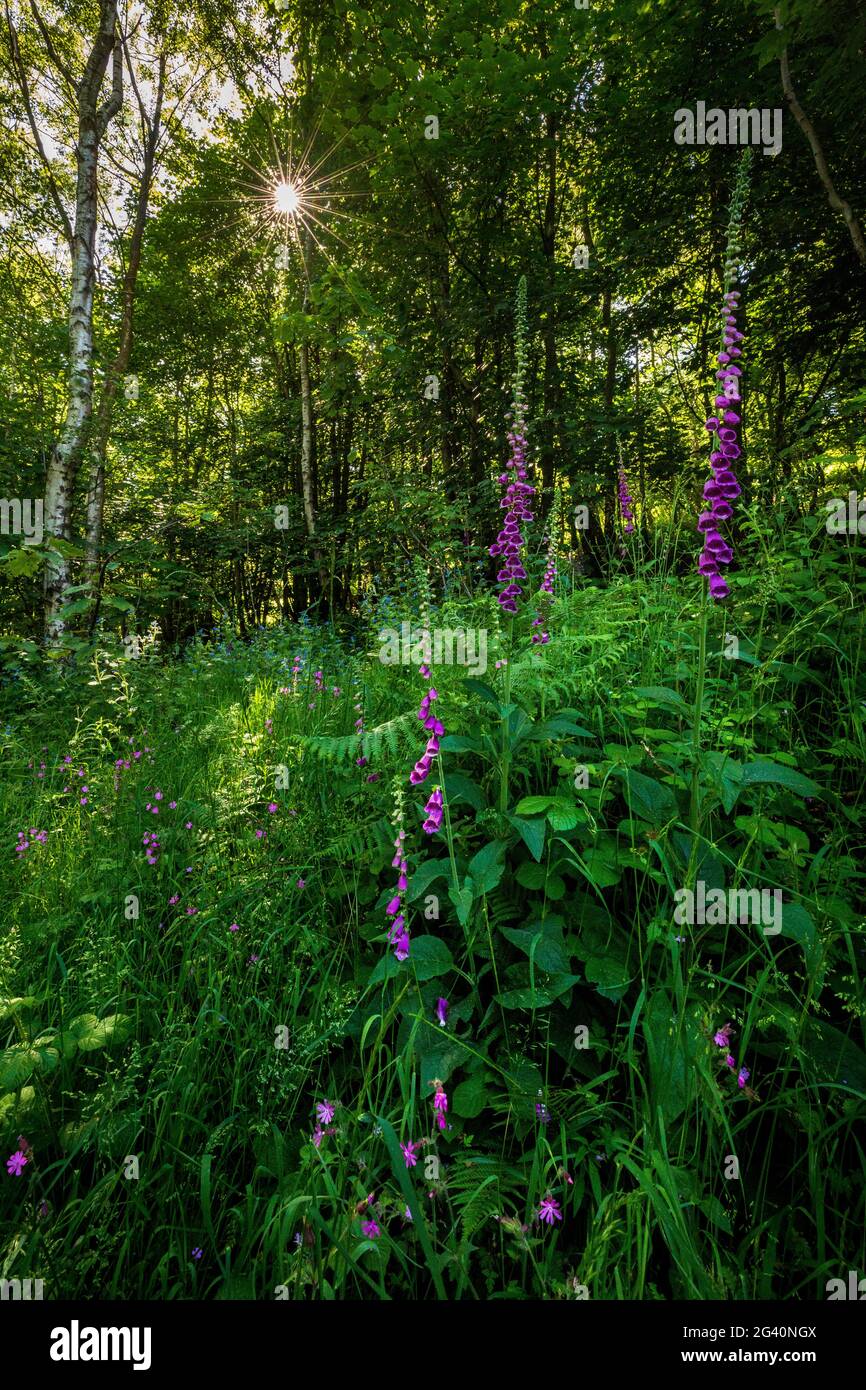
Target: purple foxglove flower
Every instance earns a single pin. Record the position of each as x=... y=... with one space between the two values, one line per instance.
x=433 y=812
x=509 y=542
x=440 y=1104
x=723 y=488
x=625 y=502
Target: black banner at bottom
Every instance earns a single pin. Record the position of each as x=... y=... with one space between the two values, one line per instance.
x=57 y=1340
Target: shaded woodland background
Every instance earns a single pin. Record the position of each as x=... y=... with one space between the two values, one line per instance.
x=555 y=130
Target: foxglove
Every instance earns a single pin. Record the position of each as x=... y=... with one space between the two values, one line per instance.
x=722 y=488
x=509 y=543
x=626 y=502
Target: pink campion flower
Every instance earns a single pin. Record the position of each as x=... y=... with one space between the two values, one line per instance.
x=172 y=805
x=16 y=1163
x=743 y=1077
x=272 y=807
x=730 y=1061
x=317 y=1136
x=370 y=1229
x=409 y=1153
x=234 y=927
x=189 y=825
x=302 y=883
x=325 y=1111
x=174 y=899
x=549 y=1210
x=723 y=1037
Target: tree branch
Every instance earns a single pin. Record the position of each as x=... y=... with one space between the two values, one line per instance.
x=24 y=87
x=837 y=203
x=65 y=72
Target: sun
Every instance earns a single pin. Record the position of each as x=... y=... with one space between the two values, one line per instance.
x=287 y=198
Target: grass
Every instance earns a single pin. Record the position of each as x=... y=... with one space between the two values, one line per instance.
x=164 y=1068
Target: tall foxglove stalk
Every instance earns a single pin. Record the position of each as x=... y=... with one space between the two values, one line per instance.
x=433 y=810
x=722 y=487
x=626 y=502
x=398 y=935
x=510 y=541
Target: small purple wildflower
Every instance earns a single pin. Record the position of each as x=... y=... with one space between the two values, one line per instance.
x=549 y=1210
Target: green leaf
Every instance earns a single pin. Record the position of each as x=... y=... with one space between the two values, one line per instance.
x=764 y=771
x=460 y=743
x=532 y=832
x=834 y=1056
x=460 y=788
x=462 y=899
x=537 y=998
x=715 y=1213
x=798 y=925
x=651 y=800
x=92 y=1033
x=531 y=875
x=543 y=944
x=533 y=805
x=386 y=968
x=483 y=689
x=470 y=1097
x=23 y=563
x=429 y=957
x=662 y=695
x=558 y=727
x=486 y=867
x=426 y=874
x=611 y=977
x=563 y=814
x=18 y=1063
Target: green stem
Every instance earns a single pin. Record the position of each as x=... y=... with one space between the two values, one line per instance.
x=506 y=743
x=695 y=807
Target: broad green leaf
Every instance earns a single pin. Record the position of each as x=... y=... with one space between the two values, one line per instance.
x=653 y=801
x=429 y=957
x=487 y=867
x=764 y=771
x=532 y=832
x=470 y=1097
